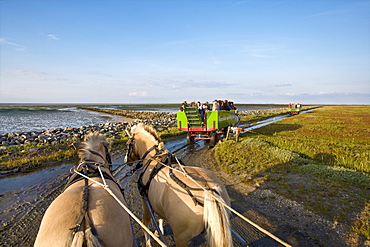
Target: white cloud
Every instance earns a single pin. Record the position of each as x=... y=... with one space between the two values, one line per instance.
x=285 y=84
x=17 y=46
x=52 y=36
x=140 y=94
x=323 y=93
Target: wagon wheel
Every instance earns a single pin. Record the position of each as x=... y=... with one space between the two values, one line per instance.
x=190 y=138
x=214 y=139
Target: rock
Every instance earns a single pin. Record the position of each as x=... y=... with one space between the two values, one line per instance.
x=2 y=149
x=160 y=120
x=34 y=149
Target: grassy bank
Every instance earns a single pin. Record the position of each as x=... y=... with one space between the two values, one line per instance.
x=321 y=159
x=268 y=113
x=29 y=156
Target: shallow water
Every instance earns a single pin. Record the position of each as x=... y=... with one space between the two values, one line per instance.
x=37 y=118
x=25 y=118
x=22 y=181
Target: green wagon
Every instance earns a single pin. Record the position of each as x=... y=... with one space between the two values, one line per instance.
x=211 y=126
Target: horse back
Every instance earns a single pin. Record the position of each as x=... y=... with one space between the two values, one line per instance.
x=111 y=221
x=167 y=193
x=61 y=215
x=105 y=213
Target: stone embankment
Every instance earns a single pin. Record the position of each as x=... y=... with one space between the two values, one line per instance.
x=60 y=135
x=143 y=115
x=160 y=120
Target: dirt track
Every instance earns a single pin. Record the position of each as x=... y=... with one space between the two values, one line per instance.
x=22 y=212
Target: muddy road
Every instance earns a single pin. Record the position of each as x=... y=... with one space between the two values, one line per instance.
x=24 y=200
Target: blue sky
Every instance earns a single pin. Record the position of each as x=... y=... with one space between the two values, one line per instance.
x=253 y=51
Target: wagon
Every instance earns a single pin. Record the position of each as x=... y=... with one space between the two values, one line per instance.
x=294 y=111
x=211 y=127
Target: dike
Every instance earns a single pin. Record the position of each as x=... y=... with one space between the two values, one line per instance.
x=159 y=120
x=60 y=135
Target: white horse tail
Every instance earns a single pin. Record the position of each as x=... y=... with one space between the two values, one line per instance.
x=80 y=237
x=217 y=222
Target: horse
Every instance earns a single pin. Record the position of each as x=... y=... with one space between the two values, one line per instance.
x=189 y=198
x=84 y=214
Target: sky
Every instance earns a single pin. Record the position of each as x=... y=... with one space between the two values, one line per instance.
x=252 y=51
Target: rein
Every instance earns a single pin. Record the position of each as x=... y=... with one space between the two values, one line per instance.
x=167 y=160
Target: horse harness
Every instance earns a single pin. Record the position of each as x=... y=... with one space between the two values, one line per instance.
x=90 y=169
x=166 y=159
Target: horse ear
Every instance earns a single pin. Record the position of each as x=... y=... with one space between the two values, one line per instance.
x=161 y=146
x=128 y=133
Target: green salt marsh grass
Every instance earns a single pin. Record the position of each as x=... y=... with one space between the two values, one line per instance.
x=332 y=135
x=320 y=158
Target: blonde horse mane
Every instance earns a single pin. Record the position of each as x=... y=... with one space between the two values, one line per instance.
x=149 y=132
x=91 y=142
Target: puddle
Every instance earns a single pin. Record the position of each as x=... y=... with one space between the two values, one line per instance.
x=23 y=181
x=268 y=121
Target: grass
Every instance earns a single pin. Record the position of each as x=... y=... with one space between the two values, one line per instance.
x=333 y=135
x=268 y=113
x=320 y=158
x=28 y=156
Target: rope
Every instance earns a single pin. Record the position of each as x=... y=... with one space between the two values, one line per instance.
x=134 y=217
x=101 y=175
x=106 y=187
x=227 y=206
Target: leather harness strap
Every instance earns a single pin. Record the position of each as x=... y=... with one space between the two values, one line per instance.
x=107 y=157
x=90 y=169
x=148 y=151
x=167 y=160
x=84 y=209
x=187 y=188
x=144 y=188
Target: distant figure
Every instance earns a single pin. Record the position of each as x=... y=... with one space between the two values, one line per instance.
x=193 y=104
x=231 y=105
x=201 y=110
x=215 y=106
x=183 y=105
x=236 y=131
x=206 y=106
x=220 y=105
x=225 y=105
